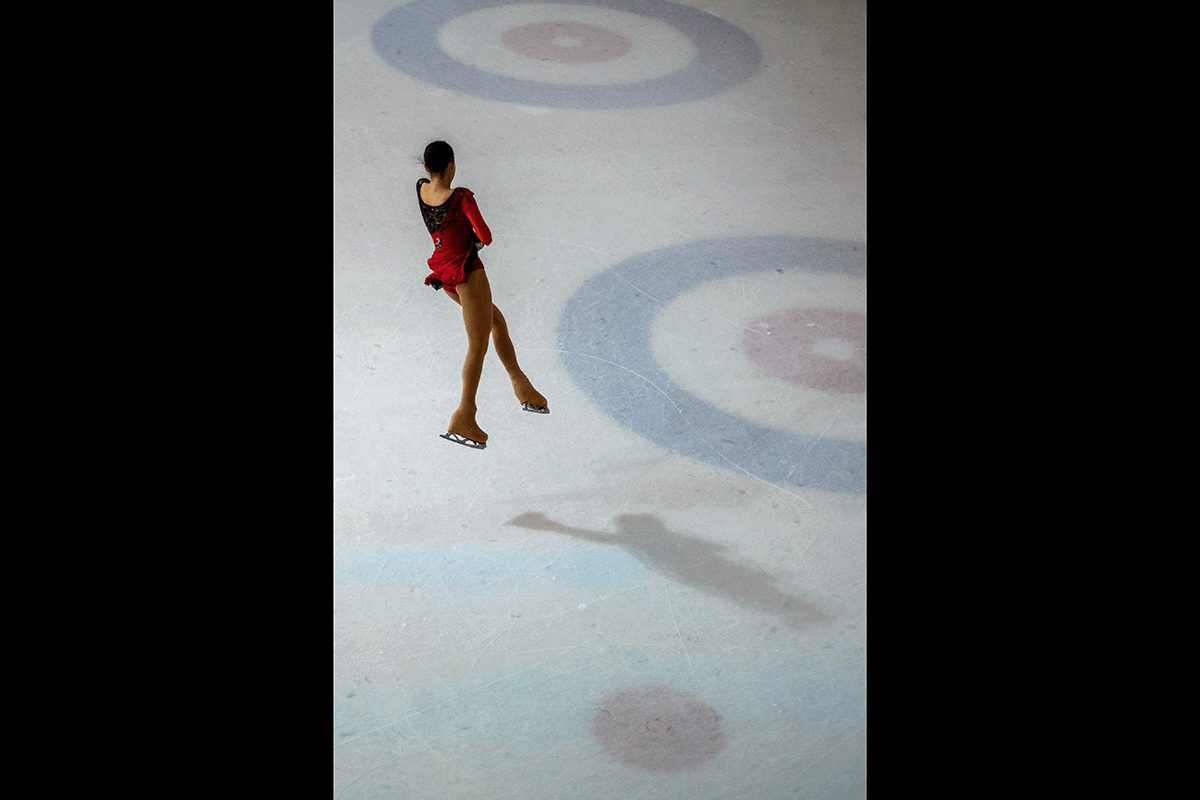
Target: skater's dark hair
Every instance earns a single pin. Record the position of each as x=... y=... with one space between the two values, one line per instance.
x=438 y=156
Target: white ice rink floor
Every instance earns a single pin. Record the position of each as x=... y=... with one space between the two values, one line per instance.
x=658 y=590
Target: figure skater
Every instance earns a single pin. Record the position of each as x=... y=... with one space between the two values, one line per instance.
x=458 y=232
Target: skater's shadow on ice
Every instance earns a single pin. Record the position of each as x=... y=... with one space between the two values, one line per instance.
x=691 y=561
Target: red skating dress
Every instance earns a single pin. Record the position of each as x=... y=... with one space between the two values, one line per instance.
x=456 y=225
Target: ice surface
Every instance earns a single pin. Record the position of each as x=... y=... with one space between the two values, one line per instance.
x=658 y=590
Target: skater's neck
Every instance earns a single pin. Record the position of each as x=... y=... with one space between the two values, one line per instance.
x=440 y=181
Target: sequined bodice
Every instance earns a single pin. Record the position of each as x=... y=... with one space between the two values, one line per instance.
x=434 y=216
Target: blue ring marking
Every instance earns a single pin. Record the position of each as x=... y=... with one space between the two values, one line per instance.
x=406 y=37
x=605 y=336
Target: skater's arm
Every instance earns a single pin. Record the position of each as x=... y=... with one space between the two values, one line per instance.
x=476 y=219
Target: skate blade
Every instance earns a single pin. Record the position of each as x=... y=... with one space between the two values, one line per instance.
x=464 y=441
x=535 y=409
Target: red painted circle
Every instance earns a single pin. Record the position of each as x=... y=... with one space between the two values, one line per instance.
x=821 y=348
x=658 y=728
x=538 y=41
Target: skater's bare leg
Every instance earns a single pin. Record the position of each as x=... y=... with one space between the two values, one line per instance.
x=522 y=386
x=508 y=357
x=475 y=297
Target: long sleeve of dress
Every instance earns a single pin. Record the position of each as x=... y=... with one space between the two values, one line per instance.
x=471 y=209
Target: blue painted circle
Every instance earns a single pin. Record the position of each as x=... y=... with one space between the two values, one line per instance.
x=605 y=336
x=406 y=38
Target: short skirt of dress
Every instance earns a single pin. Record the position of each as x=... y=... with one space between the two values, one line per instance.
x=449 y=276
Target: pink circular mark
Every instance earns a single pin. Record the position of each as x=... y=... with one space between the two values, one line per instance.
x=577 y=43
x=658 y=728
x=821 y=348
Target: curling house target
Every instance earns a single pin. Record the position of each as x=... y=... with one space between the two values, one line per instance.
x=598 y=54
x=608 y=344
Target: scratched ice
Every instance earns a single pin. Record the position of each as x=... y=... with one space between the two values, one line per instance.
x=626 y=598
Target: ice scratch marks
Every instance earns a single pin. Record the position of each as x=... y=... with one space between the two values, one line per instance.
x=441 y=608
x=678 y=633
x=492 y=641
x=554 y=245
x=699 y=435
x=366 y=369
x=644 y=378
x=349 y=739
x=788 y=131
x=423 y=739
x=374 y=584
x=366 y=774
